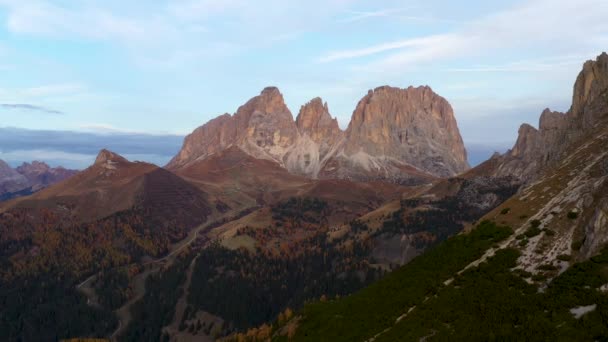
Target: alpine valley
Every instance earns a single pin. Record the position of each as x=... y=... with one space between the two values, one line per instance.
x=264 y=227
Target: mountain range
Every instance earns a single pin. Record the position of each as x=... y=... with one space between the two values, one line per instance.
x=263 y=227
x=29 y=178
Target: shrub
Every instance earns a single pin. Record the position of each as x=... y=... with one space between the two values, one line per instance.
x=564 y=257
x=523 y=273
x=573 y=215
x=547 y=267
x=532 y=231
x=535 y=223
x=505 y=211
x=549 y=232
x=539 y=277
x=576 y=245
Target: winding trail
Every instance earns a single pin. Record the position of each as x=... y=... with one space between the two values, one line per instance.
x=138 y=283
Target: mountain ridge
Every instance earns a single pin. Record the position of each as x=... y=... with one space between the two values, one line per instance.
x=313 y=145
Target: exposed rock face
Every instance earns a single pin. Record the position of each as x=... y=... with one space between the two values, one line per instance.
x=29 y=178
x=319 y=135
x=107 y=157
x=263 y=127
x=412 y=126
x=536 y=150
x=315 y=121
x=394 y=134
x=41 y=175
x=11 y=180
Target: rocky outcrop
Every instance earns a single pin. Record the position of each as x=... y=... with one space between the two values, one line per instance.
x=537 y=150
x=315 y=121
x=394 y=134
x=393 y=128
x=11 y=180
x=107 y=157
x=40 y=174
x=29 y=178
x=319 y=136
x=263 y=127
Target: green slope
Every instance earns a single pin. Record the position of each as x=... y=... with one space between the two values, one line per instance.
x=364 y=314
x=485 y=303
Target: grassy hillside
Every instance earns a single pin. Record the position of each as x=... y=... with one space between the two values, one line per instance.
x=364 y=314
x=489 y=302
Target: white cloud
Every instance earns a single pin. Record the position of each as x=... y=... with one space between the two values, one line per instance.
x=558 y=25
x=419 y=43
x=41 y=92
x=107 y=129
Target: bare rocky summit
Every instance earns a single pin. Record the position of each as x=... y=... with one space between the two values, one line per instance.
x=394 y=128
x=536 y=150
x=10 y=179
x=29 y=177
x=395 y=134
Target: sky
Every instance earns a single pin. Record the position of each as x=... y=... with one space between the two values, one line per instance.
x=116 y=71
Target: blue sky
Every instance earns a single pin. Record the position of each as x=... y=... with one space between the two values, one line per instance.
x=163 y=68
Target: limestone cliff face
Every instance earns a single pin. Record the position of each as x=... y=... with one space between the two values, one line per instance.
x=412 y=126
x=262 y=127
x=536 y=150
x=315 y=121
x=394 y=134
x=319 y=134
x=265 y=127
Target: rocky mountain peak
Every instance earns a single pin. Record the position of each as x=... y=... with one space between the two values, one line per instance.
x=591 y=84
x=10 y=180
x=413 y=125
x=315 y=121
x=535 y=150
x=393 y=132
x=550 y=120
x=269 y=102
x=105 y=157
x=33 y=167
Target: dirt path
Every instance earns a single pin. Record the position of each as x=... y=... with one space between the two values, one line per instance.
x=138 y=283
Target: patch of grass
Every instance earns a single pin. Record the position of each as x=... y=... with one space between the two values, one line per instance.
x=486 y=303
x=363 y=314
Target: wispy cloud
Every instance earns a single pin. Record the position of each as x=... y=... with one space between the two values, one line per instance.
x=535 y=23
x=384 y=47
x=29 y=107
x=78 y=149
x=355 y=16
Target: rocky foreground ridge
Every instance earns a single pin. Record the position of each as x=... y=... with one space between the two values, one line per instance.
x=395 y=134
x=537 y=150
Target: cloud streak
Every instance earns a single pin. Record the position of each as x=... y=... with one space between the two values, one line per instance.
x=78 y=149
x=29 y=107
x=535 y=23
